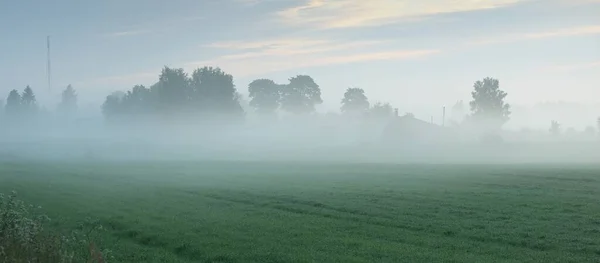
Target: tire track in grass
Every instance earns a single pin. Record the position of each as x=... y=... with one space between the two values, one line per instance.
x=385 y=221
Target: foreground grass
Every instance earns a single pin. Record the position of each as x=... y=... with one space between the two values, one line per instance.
x=253 y=212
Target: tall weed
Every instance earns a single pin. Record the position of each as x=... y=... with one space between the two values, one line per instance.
x=24 y=238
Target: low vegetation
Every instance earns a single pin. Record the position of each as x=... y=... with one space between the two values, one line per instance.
x=266 y=212
x=24 y=237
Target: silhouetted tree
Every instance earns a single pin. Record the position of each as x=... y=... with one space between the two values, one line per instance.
x=381 y=110
x=555 y=128
x=68 y=103
x=113 y=105
x=355 y=101
x=265 y=96
x=301 y=95
x=209 y=90
x=488 y=107
x=13 y=103
x=213 y=91
x=139 y=100
x=173 y=90
x=28 y=101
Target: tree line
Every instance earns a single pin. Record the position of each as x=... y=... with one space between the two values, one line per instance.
x=23 y=105
x=210 y=92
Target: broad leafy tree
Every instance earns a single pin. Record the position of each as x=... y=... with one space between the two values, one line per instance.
x=173 y=90
x=113 y=105
x=488 y=107
x=139 y=100
x=208 y=91
x=265 y=96
x=355 y=101
x=381 y=110
x=301 y=95
x=213 y=91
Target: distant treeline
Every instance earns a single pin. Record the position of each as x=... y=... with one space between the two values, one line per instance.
x=210 y=92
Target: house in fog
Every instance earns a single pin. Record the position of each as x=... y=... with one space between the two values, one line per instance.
x=409 y=130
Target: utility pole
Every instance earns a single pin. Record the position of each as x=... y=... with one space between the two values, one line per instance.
x=49 y=66
x=444 y=117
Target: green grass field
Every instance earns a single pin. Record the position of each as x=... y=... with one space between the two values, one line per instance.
x=259 y=212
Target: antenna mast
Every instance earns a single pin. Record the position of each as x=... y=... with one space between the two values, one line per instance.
x=49 y=66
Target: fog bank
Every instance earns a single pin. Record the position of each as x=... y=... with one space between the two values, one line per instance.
x=316 y=138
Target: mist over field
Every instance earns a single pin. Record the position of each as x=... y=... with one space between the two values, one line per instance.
x=191 y=131
x=315 y=137
x=188 y=170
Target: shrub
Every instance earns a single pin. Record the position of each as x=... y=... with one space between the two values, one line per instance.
x=23 y=237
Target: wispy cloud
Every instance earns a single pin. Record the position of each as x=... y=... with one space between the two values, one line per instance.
x=154 y=27
x=359 y=13
x=254 y=58
x=283 y=48
x=563 y=32
x=128 y=33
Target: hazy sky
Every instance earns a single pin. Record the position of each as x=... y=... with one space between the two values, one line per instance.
x=407 y=52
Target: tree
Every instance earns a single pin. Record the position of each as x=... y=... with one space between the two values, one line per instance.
x=113 y=105
x=214 y=91
x=13 y=103
x=68 y=103
x=598 y=123
x=28 y=101
x=172 y=90
x=209 y=90
x=301 y=95
x=381 y=110
x=488 y=107
x=554 y=128
x=138 y=100
x=355 y=101
x=265 y=96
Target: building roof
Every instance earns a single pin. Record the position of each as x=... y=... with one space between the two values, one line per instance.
x=408 y=128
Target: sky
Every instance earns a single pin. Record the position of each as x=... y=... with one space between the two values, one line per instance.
x=417 y=55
